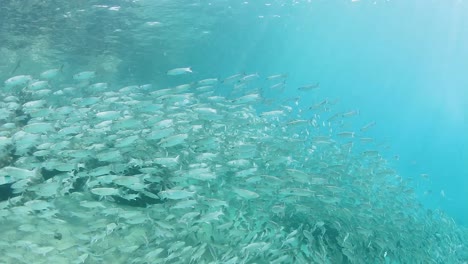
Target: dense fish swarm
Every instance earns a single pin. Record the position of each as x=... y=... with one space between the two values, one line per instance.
x=100 y=174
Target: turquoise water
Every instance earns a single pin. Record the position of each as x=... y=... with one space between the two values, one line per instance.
x=398 y=64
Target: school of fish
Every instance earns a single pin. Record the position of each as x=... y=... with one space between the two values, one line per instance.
x=211 y=171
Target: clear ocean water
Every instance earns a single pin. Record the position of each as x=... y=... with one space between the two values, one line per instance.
x=400 y=66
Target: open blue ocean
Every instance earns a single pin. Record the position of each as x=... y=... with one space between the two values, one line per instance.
x=230 y=131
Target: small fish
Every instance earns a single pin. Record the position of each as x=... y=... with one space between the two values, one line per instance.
x=346 y=134
x=42 y=250
x=146 y=87
x=83 y=76
x=232 y=78
x=207 y=218
x=125 y=142
x=210 y=81
x=182 y=88
x=98 y=87
x=274 y=113
x=296 y=192
x=39 y=128
x=250 y=98
x=179 y=71
x=173 y=194
x=333 y=117
x=105 y=191
x=51 y=74
x=205 y=88
x=246 y=194
x=184 y=204
x=108 y=115
x=173 y=140
x=278 y=86
x=38 y=205
x=298 y=176
x=277 y=76
x=250 y=77
x=38 y=85
x=19 y=173
x=153 y=23
x=319 y=104
x=350 y=113
x=19 y=80
x=91 y=204
x=245 y=173
x=370 y=153
x=205 y=111
x=239 y=163
x=297 y=122
x=160 y=133
x=366 y=127
x=168 y=162
x=308 y=87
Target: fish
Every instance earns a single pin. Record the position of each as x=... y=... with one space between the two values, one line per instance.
x=250 y=98
x=38 y=85
x=350 y=113
x=185 y=204
x=19 y=80
x=367 y=126
x=346 y=134
x=103 y=191
x=245 y=194
x=39 y=128
x=179 y=71
x=278 y=86
x=209 y=81
x=210 y=217
x=19 y=173
x=274 y=113
x=172 y=141
x=160 y=133
x=202 y=174
x=246 y=172
x=38 y=205
x=108 y=115
x=84 y=76
x=249 y=77
x=319 y=105
x=205 y=88
x=277 y=76
x=174 y=194
x=309 y=87
x=98 y=87
x=51 y=74
x=233 y=78
x=239 y=163
x=153 y=23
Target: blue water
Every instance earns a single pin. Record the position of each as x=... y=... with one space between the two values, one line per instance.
x=401 y=64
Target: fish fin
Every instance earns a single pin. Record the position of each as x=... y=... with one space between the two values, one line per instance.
x=38 y=173
x=18 y=64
